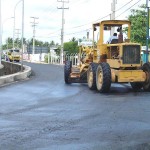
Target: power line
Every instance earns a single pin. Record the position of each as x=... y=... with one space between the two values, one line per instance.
x=128 y=8
x=89 y=22
x=50 y=6
x=105 y=16
x=124 y=5
x=17 y=32
x=72 y=2
x=79 y=31
x=78 y=2
x=54 y=32
x=102 y=17
x=99 y=18
x=47 y=36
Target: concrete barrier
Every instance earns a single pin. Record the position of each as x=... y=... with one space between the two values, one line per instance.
x=1 y=70
x=11 y=72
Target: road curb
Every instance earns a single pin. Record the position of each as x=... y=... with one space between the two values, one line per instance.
x=16 y=76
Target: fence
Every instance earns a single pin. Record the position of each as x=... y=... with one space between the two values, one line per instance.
x=55 y=59
x=52 y=58
x=35 y=57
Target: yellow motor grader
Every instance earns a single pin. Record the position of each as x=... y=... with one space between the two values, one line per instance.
x=116 y=62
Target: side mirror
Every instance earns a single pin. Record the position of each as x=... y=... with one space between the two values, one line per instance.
x=118 y=29
x=95 y=29
x=105 y=28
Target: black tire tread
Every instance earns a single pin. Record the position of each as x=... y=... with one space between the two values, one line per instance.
x=94 y=68
x=106 y=77
x=67 y=71
x=146 y=68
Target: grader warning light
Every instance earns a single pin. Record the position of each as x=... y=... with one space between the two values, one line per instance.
x=104 y=63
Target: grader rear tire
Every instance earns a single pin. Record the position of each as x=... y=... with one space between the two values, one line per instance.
x=103 y=77
x=146 y=84
x=91 y=76
x=67 y=71
x=136 y=86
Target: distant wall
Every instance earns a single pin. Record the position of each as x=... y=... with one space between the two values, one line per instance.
x=144 y=55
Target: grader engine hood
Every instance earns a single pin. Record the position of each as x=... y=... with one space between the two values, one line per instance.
x=131 y=54
x=124 y=55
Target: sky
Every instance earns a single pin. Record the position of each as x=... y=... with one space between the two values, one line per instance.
x=78 y=18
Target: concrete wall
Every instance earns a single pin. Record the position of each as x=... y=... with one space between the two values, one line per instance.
x=12 y=72
x=9 y=68
x=1 y=70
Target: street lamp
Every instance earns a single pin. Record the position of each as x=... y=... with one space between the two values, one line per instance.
x=14 y=24
x=22 y=42
x=147 y=30
x=22 y=35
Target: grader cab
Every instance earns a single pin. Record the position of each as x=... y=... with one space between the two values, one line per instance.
x=118 y=61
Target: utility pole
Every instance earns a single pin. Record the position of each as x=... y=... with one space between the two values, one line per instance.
x=22 y=39
x=34 y=24
x=17 y=35
x=112 y=16
x=62 y=29
x=147 y=28
x=15 y=23
x=87 y=34
x=0 y=37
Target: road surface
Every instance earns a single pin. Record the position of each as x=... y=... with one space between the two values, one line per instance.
x=45 y=114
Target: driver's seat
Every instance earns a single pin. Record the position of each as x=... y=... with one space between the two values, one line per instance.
x=114 y=41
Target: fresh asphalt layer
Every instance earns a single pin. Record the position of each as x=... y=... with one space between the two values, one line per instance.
x=44 y=113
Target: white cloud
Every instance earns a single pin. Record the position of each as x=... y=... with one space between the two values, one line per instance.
x=80 y=12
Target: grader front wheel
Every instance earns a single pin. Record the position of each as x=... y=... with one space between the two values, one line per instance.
x=146 y=84
x=91 y=76
x=103 y=77
x=67 y=71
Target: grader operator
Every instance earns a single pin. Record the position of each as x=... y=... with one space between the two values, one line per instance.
x=116 y=62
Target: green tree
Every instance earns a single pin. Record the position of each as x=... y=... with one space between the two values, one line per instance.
x=71 y=46
x=9 y=43
x=52 y=43
x=46 y=44
x=37 y=42
x=17 y=42
x=138 y=25
x=73 y=39
x=57 y=50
